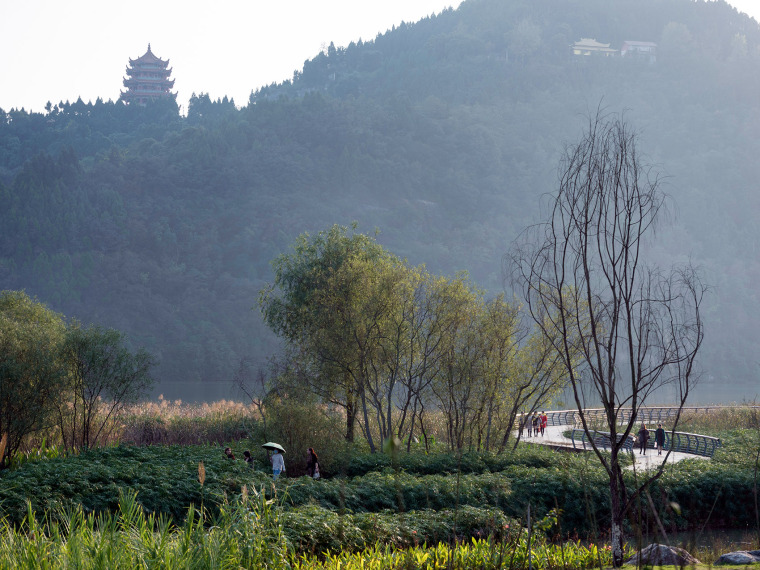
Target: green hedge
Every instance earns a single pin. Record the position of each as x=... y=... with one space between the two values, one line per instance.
x=166 y=481
x=314 y=530
x=401 y=491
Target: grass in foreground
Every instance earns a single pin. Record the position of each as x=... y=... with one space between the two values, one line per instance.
x=249 y=533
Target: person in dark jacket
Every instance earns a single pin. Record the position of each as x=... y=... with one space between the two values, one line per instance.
x=659 y=439
x=312 y=464
x=642 y=437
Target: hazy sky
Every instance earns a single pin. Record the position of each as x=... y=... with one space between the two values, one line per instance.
x=51 y=51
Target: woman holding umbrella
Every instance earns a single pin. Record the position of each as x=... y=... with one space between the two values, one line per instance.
x=277 y=459
x=278 y=464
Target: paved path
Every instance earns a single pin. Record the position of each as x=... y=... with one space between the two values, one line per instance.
x=553 y=436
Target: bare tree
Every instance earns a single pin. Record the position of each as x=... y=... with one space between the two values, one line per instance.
x=104 y=377
x=623 y=328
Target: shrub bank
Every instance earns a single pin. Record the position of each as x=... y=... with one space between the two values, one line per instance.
x=401 y=492
x=314 y=530
x=166 y=482
x=252 y=532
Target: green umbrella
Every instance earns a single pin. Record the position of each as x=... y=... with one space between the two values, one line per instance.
x=272 y=445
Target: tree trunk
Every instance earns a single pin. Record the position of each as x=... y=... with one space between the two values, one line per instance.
x=368 y=430
x=616 y=528
x=350 y=418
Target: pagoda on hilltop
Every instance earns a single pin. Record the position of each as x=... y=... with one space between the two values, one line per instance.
x=148 y=79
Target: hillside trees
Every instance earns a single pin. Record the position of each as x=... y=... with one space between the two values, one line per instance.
x=630 y=328
x=387 y=342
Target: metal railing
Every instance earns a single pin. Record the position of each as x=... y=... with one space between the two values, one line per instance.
x=601 y=439
x=682 y=442
x=645 y=415
x=695 y=444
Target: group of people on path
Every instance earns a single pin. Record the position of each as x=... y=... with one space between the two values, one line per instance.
x=536 y=423
x=277 y=460
x=642 y=437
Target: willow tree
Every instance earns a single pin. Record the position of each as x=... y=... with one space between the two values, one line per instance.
x=640 y=328
x=318 y=304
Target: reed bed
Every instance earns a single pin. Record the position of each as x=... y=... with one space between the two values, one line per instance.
x=718 y=420
x=245 y=534
x=175 y=423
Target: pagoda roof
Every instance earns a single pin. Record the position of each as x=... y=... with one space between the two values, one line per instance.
x=148 y=57
x=138 y=71
x=168 y=83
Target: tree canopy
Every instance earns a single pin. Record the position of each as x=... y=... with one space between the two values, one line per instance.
x=386 y=341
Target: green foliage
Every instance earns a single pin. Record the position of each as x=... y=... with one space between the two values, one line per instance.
x=484 y=554
x=245 y=533
x=31 y=372
x=420 y=463
x=384 y=341
x=314 y=530
x=299 y=423
x=252 y=532
x=401 y=492
x=427 y=499
x=437 y=132
x=165 y=479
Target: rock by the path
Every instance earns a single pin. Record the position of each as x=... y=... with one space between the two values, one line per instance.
x=739 y=557
x=661 y=555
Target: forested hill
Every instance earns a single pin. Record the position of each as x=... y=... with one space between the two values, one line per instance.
x=443 y=134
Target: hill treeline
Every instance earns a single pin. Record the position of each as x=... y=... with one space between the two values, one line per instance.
x=443 y=134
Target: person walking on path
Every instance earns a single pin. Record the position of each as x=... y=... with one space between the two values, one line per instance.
x=312 y=464
x=643 y=437
x=536 y=424
x=544 y=422
x=659 y=439
x=529 y=423
x=278 y=464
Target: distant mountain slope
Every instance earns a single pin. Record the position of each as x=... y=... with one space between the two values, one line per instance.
x=443 y=134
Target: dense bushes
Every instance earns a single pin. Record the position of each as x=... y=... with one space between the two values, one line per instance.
x=166 y=482
x=422 y=463
x=164 y=478
x=315 y=530
x=401 y=492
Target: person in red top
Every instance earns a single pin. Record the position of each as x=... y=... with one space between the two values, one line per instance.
x=544 y=422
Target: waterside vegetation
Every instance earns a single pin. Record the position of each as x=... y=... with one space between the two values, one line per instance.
x=137 y=504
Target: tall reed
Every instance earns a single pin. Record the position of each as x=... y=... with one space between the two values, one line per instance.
x=245 y=533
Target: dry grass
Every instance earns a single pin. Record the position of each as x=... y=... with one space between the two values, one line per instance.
x=711 y=421
x=174 y=422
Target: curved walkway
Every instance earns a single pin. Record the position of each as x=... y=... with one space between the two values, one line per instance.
x=685 y=446
x=554 y=436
